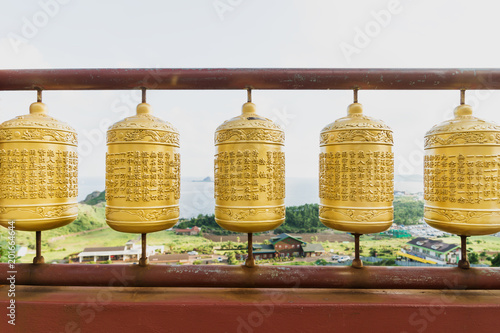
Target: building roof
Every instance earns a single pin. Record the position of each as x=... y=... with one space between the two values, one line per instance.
x=312 y=247
x=263 y=248
x=107 y=251
x=195 y=228
x=416 y=258
x=433 y=245
x=169 y=257
x=284 y=236
x=104 y=249
x=269 y=248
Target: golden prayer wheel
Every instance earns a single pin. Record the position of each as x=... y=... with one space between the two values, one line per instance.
x=356 y=185
x=38 y=171
x=461 y=175
x=249 y=172
x=142 y=174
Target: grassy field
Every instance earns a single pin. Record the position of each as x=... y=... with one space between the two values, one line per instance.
x=73 y=238
x=367 y=241
x=61 y=248
x=386 y=247
x=478 y=244
x=89 y=217
x=73 y=244
x=91 y=230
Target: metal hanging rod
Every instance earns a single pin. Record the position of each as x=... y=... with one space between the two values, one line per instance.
x=257 y=78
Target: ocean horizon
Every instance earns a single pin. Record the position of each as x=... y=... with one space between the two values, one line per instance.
x=197 y=196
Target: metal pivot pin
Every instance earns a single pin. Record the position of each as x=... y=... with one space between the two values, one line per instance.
x=250 y=262
x=464 y=261
x=38 y=259
x=356 y=263
x=144 y=261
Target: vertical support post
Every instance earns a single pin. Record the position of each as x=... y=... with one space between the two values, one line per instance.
x=144 y=261
x=38 y=259
x=355 y=95
x=143 y=95
x=39 y=95
x=462 y=96
x=464 y=262
x=249 y=95
x=356 y=263
x=250 y=262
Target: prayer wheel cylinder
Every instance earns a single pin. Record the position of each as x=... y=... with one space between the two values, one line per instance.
x=142 y=174
x=249 y=173
x=38 y=171
x=356 y=185
x=461 y=175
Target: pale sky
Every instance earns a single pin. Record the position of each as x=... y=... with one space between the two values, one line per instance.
x=257 y=33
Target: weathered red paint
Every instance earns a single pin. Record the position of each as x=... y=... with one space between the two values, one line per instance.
x=100 y=309
x=371 y=277
x=255 y=78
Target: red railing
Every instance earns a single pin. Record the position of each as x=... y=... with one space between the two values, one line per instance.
x=217 y=276
x=272 y=78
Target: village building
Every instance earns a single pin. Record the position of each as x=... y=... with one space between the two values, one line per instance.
x=431 y=251
x=130 y=251
x=189 y=231
x=285 y=245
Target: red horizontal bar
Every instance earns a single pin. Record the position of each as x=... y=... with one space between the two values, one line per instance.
x=99 y=309
x=255 y=78
x=258 y=277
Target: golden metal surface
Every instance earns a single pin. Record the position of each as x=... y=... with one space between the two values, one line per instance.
x=461 y=175
x=249 y=173
x=356 y=185
x=38 y=171
x=142 y=174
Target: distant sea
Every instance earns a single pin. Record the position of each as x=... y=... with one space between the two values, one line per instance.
x=197 y=197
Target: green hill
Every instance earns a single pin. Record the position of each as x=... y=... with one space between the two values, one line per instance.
x=89 y=218
x=95 y=197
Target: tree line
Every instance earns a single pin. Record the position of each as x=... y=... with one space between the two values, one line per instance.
x=305 y=219
x=408 y=211
x=298 y=219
